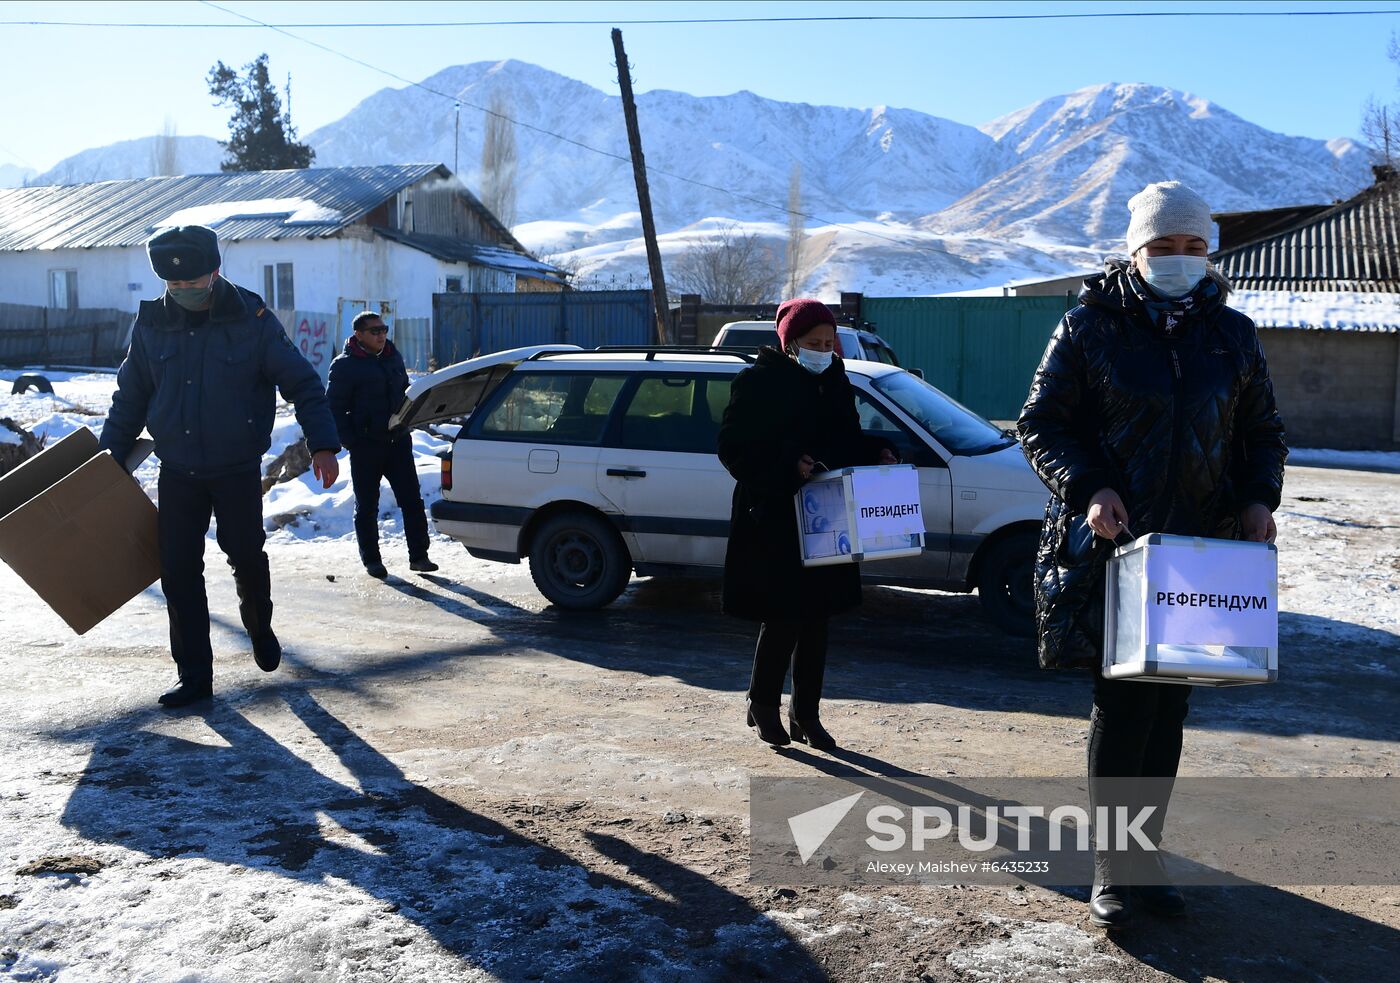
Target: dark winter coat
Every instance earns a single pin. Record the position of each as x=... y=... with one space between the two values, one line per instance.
x=364 y=391
x=206 y=389
x=1168 y=403
x=777 y=412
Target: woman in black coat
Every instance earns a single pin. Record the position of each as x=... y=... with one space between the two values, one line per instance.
x=1152 y=411
x=791 y=413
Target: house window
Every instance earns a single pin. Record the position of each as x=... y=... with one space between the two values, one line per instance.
x=454 y=284
x=63 y=289
x=278 y=291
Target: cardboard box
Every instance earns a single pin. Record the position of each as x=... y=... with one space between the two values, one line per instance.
x=1198 y=611
x=856 y=514
x=79 y=530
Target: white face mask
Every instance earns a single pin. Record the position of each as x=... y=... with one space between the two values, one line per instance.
x=1174 y=276
x=814 y=362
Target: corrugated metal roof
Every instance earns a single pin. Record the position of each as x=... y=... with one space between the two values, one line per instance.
x=1353 y=247
x=125 y=213
x=479 y=254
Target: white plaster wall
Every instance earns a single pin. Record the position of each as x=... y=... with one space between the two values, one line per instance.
x=324 y=271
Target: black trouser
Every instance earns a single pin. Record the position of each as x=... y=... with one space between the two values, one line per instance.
x=801 y=645
x=1135 y=732
x=369 y=463
x=186 y=504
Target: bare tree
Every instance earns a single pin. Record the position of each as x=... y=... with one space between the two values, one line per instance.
x=1380 y=121
x=498 y=162
x=165 y=150
x=730 y=268
x=796 y=232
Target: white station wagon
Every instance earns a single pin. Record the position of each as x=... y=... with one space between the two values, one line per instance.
x=594 y=464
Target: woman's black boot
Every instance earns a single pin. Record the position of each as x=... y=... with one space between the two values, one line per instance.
x=1163 y=897
x=1108 y=898
x=769 y=724
x=812 y=733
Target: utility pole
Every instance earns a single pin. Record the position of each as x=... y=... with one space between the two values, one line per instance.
x=456 y=134
x=639 y=171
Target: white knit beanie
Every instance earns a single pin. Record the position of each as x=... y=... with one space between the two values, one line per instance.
x=1167 y=208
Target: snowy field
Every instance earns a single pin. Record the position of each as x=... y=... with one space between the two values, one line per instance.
x=448 y=780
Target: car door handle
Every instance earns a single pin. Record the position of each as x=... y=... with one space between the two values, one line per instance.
x=626 y=473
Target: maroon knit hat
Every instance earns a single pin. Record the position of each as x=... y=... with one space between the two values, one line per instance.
x=797 y=317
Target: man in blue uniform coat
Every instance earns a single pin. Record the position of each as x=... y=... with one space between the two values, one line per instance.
x=201 y=374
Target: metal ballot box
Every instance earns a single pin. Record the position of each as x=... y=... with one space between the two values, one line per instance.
x=854 y=514
x=1197 y=611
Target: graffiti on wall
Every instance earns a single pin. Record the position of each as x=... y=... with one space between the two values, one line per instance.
x=313 y=337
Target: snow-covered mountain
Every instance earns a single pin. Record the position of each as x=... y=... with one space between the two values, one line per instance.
x=1083 y=155
x=133 y=159
x=856 y=163
x=900 y=201
x=14 y=176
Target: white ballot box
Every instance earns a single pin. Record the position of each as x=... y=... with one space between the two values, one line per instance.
x=1198 y=611
x=855 y=514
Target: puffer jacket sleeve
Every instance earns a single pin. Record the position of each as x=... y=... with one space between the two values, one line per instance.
x=299 y=385
x=751 y=448
x=340 y=393
x=1054 y=425
x=1258 y=467
x=130 y=402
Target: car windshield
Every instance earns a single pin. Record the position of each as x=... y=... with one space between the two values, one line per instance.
x=750 y=337
x=953 y=425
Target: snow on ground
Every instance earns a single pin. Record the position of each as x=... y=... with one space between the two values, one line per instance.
x=1318 y=457
x=299 y=509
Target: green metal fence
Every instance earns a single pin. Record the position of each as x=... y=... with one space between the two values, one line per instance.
x=982 y=351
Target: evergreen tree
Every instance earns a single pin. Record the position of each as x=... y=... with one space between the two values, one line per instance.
x=261 y=135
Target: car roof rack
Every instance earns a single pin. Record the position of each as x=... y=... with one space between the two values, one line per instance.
x=652 y=351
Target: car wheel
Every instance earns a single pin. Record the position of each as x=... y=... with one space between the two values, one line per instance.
x=1006 y=583
x=579 y=561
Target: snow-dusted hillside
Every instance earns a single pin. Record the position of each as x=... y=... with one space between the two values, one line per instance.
x=14 y=176
x=1040 y=191
x=133 y=159
x=856 y=163
x=1083 y=155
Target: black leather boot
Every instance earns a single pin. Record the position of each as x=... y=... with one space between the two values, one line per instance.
x=812 y=733
x=1108 y=899
x=267 y=651
x=1161 y=897
x=186 y=693
x=769 y=724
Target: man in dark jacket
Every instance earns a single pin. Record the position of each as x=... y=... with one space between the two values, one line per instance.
x=204 y=361
x=367 y=383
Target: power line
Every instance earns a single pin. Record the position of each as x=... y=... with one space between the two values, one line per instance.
x=664 y=21
x=783 y=209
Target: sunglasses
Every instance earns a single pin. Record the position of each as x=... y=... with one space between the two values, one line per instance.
x=381 y=329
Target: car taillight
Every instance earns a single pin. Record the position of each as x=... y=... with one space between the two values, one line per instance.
x=446 y=459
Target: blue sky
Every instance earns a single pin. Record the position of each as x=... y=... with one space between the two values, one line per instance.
x=69 y=88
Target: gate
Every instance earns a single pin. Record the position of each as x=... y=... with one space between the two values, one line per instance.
x=466 y=325
x=982 y=351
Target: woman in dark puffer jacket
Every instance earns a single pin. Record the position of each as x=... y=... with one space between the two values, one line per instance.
x=1151 y=411
x=790 y=414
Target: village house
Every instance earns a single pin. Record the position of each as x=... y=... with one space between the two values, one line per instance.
x=326 y=241
x=1322 y=282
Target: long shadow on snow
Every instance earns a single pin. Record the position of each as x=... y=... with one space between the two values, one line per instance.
x=513 y=905
x=1248 y=932
x=906 y=646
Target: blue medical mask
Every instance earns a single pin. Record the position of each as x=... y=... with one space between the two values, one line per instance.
x=814 y=362
x=1174 y=276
